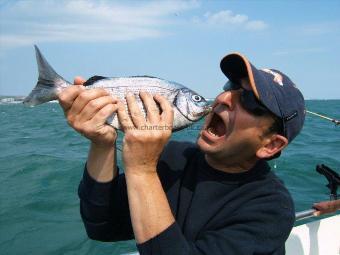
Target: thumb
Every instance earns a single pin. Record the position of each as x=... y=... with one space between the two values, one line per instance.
x=317 y=213
x=78 y=80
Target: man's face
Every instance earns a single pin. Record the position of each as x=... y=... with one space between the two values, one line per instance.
x=230 y=133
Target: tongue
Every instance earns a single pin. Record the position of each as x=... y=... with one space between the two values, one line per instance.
x=219 y=128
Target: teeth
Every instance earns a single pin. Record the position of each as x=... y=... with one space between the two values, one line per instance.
x=211 y=131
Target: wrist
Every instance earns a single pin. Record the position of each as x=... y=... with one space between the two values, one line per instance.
x=101 y=162
x=141 y=173
x=102 y=147
x=104 y=141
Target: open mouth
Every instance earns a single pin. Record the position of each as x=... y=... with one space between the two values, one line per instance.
x=216 y=126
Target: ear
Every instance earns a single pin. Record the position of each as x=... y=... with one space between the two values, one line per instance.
x=271 y=146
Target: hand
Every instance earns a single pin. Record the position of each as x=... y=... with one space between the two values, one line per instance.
x=145 y=139
x=326 y=207
x=87 y=110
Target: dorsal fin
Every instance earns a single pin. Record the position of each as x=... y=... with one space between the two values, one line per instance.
x=143 y=76
x=93 y=79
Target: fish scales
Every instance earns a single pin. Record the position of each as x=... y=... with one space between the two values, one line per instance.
x=119 y=87
x=188 y=106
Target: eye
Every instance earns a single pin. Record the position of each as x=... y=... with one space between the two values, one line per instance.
x=196 y=98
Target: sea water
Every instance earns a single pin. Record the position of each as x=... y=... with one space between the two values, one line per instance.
x=42 y=160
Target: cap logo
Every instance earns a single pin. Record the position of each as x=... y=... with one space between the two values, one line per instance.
x=277 y=77
x=292 y=116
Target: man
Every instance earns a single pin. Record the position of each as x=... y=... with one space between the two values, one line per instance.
x=216 y=197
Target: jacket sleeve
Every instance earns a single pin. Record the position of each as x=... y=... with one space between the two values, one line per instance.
x=104 y=209
x=259 y=228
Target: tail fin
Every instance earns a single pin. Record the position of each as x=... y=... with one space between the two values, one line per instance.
x=48 y=85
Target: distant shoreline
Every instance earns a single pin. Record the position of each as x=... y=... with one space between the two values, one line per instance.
x=11 y=99
x=15 y=97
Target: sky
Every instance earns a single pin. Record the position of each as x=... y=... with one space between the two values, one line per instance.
x=181 y=41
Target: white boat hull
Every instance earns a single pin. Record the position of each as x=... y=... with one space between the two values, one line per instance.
x=320 y=237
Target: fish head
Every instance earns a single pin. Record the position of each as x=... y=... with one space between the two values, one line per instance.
x=191 y=105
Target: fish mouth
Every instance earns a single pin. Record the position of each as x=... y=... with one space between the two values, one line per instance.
x=206 y=111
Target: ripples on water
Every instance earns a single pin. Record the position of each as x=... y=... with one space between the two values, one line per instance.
x=41 y=163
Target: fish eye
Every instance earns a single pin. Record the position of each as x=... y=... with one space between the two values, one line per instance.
x=196 y=98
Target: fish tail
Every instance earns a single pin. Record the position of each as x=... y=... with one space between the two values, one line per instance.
x=49 y=83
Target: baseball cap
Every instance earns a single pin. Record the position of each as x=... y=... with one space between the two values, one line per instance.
x=272 y=88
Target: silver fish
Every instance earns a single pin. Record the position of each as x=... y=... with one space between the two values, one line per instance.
x=188 y=105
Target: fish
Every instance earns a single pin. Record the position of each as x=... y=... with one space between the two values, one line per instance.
x=188 y=105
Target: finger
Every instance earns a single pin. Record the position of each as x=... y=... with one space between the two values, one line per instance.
x=317 y=213
x=103 y=114
x=319 y=206
x=324 y=207
x=167 y=115
x=78 y=80
x=152 y=110
x=123 y=117
x=136 y=114
x=67 y=97
x=94 y=106
x=84 y=98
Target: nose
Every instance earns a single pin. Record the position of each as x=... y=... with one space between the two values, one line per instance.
x=227 y=98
